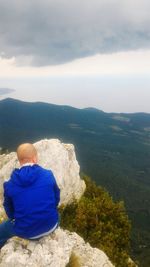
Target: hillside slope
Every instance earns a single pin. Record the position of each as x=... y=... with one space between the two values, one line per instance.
x=114 y=149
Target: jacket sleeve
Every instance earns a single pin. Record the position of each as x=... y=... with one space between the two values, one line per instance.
x=8 y=204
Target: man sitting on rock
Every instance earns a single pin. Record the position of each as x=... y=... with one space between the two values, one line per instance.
x=31 y=197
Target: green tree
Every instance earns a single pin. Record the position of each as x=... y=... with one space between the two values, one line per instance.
x=101 y=222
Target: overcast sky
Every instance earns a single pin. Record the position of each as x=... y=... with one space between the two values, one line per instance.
x=77 y=52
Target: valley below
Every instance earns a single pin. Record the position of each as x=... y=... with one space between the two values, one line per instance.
x=113 y=149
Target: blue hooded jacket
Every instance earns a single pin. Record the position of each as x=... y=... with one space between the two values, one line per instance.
x=31 y=197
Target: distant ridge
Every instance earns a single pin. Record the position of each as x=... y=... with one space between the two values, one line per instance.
x=93 y=109
x=9 y=100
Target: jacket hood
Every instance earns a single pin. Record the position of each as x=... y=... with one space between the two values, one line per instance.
x=26 y=175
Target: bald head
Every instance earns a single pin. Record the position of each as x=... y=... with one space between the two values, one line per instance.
x=26 y=153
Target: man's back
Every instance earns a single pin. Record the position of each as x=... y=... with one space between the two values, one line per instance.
x=31 y=197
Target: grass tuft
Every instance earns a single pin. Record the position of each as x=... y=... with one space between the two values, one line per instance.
x=73 y=261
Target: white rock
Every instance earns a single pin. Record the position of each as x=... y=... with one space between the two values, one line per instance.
x=52 y=251
x=58 y=157
x=55 y=249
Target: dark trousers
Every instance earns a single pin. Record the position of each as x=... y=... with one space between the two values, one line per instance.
x=6 y=232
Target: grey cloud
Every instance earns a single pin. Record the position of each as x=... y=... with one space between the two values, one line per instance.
x=47 y=32
x=4 y=91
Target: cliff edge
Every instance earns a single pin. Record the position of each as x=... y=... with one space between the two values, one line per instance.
x=56 y=249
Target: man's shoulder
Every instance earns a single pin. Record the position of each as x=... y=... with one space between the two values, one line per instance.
x=45 y=171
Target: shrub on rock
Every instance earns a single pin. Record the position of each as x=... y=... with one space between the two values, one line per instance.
x=101 y=222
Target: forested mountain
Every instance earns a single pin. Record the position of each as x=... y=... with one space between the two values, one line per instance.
x=114 y=149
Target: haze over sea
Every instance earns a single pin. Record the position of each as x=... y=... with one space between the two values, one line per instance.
x=108 y=93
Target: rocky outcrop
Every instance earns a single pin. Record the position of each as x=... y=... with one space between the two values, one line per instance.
x=58 y=157
x=52 y=251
